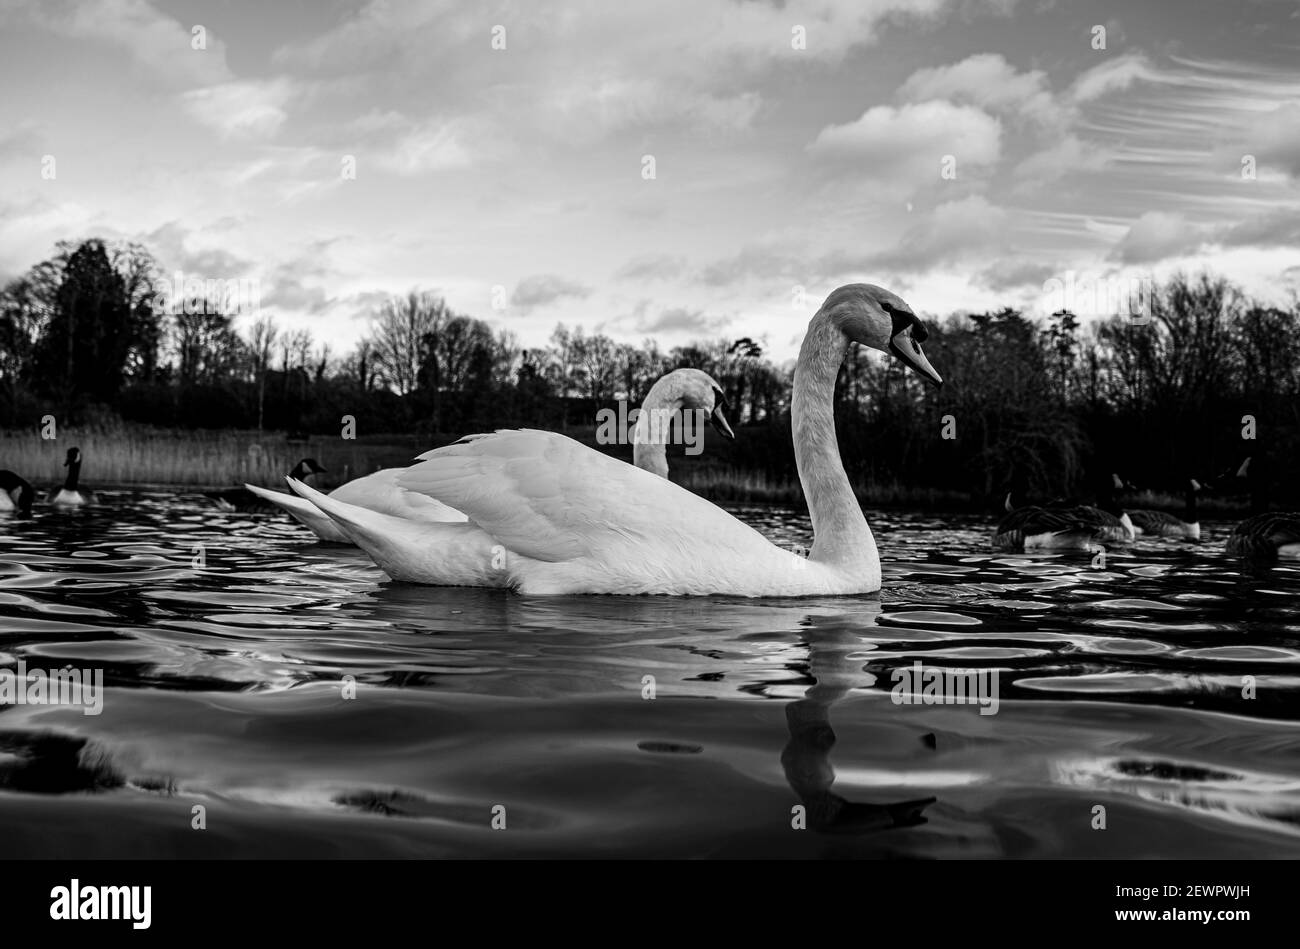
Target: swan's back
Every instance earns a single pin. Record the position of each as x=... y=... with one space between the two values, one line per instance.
x=380 y=492
x=553 y=500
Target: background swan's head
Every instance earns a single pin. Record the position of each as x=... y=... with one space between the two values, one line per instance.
x=73 y=457
x=692 y=389
x=872 y=316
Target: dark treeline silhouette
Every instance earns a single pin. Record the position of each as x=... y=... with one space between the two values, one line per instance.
x=1205 y=379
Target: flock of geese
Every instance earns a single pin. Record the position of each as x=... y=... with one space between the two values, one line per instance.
x=17 y=494
x=540 y=513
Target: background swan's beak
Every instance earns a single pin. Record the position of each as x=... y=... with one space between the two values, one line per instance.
x=719 y=422
x=909 y=352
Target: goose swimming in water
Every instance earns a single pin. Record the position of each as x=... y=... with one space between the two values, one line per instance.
x=244 y=499
x=1266 y=537
x=548 y=515
x=679 y=390
x=71 y=495
x=1160 y=524
x=1063 y=524
x=16 y=493
x=1116 y=525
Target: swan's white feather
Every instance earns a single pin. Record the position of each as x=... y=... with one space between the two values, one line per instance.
x=458 y=554
x=305 y=513
x=376 y=492
x=380 y=492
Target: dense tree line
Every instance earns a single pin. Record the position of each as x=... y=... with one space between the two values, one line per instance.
x=1204 y=379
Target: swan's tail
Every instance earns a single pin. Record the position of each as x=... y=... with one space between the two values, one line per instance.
x=446 y=554
x=305 y=513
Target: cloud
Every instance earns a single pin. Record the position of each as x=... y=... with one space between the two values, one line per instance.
x=296 y=284
x=965 y=229
x=1274 y=138
x=37 y=222
x=612 y=104
x=682 y=320
x=955 y=230
x=753 y=260
x=1277 y=228
x=986 y=80
x=1067 y=156
x=171 y=247
x=598 y=69
x=244 y=108
x=156 y=43
x=543 y=289
x=1013 y=273
x=907 y=144
x=21 y=141
x=1114 y=74
x=1154 y=236
x=652 y=267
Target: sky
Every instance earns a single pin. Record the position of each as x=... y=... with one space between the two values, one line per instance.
x=675 y=169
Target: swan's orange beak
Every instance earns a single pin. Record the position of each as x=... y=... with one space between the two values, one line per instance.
x=908 y=351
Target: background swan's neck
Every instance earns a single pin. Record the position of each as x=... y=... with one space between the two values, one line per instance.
x=840 y=533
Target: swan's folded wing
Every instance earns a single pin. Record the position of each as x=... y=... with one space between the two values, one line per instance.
x=551 y=498
x=379 y=491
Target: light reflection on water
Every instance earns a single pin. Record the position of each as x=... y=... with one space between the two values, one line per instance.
x=1120 y=685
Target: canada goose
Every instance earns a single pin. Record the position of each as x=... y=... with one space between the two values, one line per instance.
x=1117 y=526
x=1160 y=524
x=1062 y=523
x=242 y=499
x=70 y=495
x=1266 y=537
x=549 y=515
x=16 y=493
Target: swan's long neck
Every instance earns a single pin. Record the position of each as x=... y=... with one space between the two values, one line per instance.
x=840 y=532
x=74 y=473
x=650 y=437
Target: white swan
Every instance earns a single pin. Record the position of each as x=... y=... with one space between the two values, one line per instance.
x=548 y=515
x=679 y=390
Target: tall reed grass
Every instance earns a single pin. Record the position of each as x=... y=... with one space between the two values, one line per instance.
x=189 y=458
x=730 y=484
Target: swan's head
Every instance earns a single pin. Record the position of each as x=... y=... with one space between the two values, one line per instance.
x=73 y=457
x=693 y=390
x=872 y=316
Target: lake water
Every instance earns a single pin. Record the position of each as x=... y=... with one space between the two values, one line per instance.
x=1120 y=687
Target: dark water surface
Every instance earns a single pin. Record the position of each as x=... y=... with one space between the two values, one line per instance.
x=1120 y=686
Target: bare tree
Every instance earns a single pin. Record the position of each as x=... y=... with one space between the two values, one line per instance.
x=398 y=336
x=261 y=343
